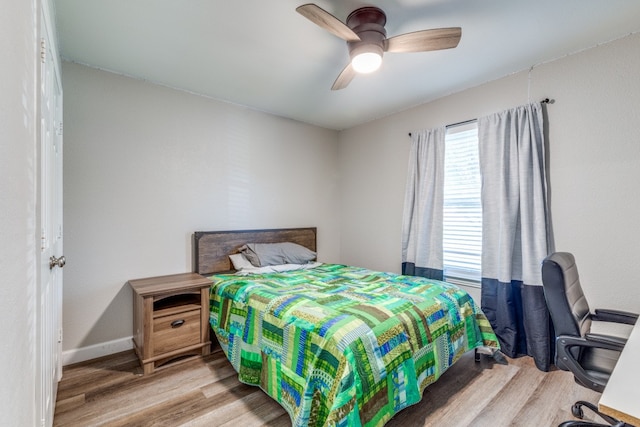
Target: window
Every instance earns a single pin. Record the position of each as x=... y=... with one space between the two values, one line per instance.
x=462 y=232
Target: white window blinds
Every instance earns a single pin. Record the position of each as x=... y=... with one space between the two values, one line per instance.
x=462 y=239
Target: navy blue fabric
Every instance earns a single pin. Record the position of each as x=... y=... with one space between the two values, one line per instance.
x=410 y=269
x=519 y=316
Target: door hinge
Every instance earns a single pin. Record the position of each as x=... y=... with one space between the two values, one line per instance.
x=60 y=336
x=43 y=50
x=43 y=240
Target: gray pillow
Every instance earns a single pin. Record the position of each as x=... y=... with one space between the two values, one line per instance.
x=239 y=262
x=263 y=254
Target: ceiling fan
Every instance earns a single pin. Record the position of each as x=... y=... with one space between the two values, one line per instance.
x=367 y=39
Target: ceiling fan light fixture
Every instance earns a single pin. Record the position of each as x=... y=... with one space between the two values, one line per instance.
x=367 y=39
x=366 y=62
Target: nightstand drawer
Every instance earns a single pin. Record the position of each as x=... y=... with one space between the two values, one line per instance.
x=176 y=331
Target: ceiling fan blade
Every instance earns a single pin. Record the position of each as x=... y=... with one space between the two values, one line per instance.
x=325 y=20
x=344 y=78
x=425 y=40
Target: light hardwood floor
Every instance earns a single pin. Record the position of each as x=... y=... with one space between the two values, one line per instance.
x=112 y=391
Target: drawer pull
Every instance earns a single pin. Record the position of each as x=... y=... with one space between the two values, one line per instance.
x=177 y=323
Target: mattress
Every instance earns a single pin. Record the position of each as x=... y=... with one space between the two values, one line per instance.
x=342 y=345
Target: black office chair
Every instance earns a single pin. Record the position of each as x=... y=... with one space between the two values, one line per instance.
x=590 y=357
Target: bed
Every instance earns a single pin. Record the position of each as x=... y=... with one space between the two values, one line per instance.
x=335 y=345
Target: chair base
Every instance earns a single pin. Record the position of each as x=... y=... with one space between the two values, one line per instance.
x=577 y=412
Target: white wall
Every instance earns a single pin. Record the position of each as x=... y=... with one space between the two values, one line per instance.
x=594 y=163
x=18 y=169
x=146 y=166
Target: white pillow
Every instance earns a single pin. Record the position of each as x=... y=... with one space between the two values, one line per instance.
x=239 y=262
x=277 y=268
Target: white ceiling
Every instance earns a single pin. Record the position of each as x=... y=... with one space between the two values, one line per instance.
x=264 y=55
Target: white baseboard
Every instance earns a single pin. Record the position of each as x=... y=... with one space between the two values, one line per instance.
x=97 y=350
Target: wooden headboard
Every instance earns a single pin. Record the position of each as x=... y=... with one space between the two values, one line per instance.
x=212 y=248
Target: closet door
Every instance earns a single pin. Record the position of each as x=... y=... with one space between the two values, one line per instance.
x=49 y=306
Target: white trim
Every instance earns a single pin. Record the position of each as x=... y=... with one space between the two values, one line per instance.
x=97 y=350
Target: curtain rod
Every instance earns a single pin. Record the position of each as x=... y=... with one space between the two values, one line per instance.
x=457 y=124
x=544 y=101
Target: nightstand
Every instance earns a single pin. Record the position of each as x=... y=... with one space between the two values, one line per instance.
x=170 y=318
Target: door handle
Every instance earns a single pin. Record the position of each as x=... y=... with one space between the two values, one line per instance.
x=59 y=262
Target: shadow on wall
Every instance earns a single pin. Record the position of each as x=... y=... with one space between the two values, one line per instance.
x=110 y=339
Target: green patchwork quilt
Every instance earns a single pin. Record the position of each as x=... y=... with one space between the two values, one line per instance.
x=343 y=346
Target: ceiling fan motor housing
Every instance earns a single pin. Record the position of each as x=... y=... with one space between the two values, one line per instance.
x=368 y=23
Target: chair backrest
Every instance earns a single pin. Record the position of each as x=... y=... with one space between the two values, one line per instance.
x=567 y=305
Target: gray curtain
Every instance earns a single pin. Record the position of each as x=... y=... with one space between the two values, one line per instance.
x=515 y=231
x=422 y=219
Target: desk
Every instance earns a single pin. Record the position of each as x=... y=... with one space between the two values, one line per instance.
x=621 y=396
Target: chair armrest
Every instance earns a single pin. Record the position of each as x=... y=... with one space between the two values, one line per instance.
x=566 y=360
x=606 y=340
x=616 y=316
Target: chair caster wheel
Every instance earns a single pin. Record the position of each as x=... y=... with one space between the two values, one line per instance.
x=577 y=411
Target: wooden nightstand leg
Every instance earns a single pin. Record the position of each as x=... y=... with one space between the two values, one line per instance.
x=204 y=321
x=147 y=368
x=206 y=350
